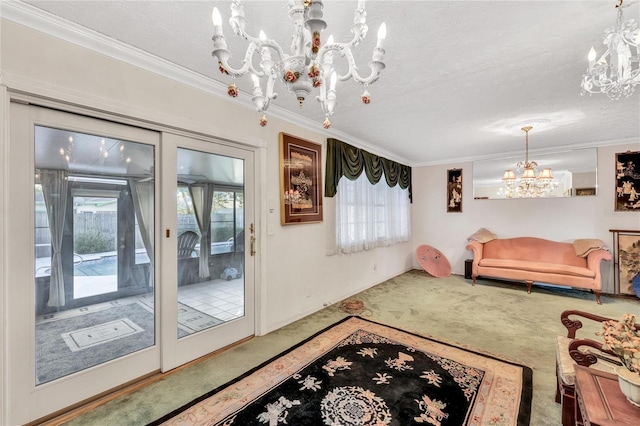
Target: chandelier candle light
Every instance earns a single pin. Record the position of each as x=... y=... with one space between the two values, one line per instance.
x=530 y=185
x=617 y=72
x=310 y=64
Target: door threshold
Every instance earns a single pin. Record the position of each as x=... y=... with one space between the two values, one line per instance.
x=82 y=407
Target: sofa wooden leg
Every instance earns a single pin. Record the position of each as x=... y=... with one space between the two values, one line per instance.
x=529 y=284
x=474 y=279
x=598 y=301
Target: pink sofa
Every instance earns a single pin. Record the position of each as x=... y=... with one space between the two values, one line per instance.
x=534 y=259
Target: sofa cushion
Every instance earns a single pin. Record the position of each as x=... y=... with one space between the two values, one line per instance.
x=585 y=246
x=550 y=268
x=482 y=235
x=533 y=249
x=566 y=364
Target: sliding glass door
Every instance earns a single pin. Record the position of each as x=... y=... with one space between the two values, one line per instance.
x=88 y=286
x=211 y=203
x=127 y=255
x=82 y=206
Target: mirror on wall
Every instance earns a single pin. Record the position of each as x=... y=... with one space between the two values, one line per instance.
x=574 y=174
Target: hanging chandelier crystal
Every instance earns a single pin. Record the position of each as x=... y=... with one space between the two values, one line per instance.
x=310 y=64
x=529 y=185
x=617 y=72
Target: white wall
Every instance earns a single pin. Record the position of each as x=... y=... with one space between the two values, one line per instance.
x=299 y=275
x=559 y=219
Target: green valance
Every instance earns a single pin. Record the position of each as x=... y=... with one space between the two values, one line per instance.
x=346 y=160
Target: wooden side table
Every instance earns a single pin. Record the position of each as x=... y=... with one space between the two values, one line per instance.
x=599 y=401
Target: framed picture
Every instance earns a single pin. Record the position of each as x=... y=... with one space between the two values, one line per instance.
x=628 y=181
x=627 y=260
x=585 y=191
x=300 y=181
x=454 y=191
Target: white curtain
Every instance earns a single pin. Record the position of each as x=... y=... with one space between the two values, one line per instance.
x=202 y=196
x=369 y=216
x=143 y=194
x=55 y=188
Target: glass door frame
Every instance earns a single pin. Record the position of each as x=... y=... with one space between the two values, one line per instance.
x=176 y=352
x=26 y=400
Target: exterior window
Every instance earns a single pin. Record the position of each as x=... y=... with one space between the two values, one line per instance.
x=227 y=221
x=186 y=215
x=369 y=216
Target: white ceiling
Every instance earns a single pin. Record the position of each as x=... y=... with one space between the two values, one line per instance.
x=461 y=77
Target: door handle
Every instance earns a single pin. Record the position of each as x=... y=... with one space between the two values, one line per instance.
x=252 y=252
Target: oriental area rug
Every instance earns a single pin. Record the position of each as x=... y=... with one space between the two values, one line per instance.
x=358 y=372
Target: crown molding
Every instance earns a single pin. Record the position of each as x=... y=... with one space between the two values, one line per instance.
x=560 y=148
x=45 y=22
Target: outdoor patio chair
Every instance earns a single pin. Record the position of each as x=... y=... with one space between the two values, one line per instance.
x=186 y=244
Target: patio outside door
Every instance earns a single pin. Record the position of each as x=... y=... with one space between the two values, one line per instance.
x=82 y=206
x=107 y=283
x=208 y=258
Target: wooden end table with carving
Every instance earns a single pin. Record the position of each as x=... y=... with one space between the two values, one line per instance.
x=600 y=402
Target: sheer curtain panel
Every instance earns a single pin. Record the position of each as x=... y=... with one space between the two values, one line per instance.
x=55 y=186
x=143 y=194
x=369 y=216
x=202 y=196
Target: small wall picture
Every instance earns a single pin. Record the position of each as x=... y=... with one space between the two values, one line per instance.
x=454 y=191
x=585 y=191
x=628 y=181
x=300 y=181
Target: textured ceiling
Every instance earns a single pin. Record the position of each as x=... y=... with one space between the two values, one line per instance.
x=461 y=77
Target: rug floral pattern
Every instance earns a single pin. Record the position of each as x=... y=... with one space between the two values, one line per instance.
x=363 y=373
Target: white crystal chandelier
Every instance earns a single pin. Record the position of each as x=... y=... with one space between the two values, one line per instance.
x=529 y=185
x=617 y=72
x=310 y=64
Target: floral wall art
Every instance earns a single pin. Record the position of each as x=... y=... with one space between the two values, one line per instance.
x=628 y=181
x=454 y=191
x=300 y=181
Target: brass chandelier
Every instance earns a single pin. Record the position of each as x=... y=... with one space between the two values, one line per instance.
x=528 y=185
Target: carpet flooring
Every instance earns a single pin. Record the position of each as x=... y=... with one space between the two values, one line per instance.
x=492 y=317
x=359 y=372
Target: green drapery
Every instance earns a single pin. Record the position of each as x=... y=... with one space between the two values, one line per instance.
x=346 y=160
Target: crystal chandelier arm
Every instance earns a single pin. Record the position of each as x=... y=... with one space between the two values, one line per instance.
x=247 y=63
x=359 y=27
x=273 y=45
x=262 y=101
x=376 y=65
x=238 y=22
x=270 y=83
x=617 y=71
x=326 y=98
x=352 y=72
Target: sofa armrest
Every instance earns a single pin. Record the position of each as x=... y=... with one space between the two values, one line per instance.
x=476 y=247
x=587 y=358
x=595 y=257
x=573 y=325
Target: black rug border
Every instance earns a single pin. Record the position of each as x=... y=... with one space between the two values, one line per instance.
x=524 y=412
